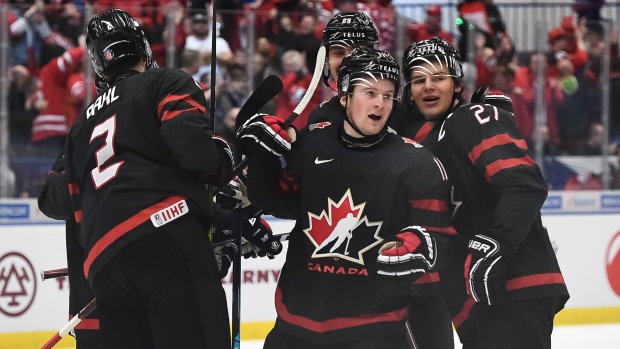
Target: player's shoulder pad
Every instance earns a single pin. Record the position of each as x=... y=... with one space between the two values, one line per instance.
x=476 y=114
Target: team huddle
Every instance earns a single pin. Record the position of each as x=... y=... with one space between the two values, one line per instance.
x=413 y=214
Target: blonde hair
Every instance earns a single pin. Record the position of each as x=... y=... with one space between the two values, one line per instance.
x=294 y=57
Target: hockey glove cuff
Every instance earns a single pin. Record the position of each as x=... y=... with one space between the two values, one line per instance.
x=485 y=275
x=263 y=131
x=409 y=254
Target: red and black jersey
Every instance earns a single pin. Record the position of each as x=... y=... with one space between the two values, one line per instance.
x=133 y=159
x=346 y=199
x=498 y=190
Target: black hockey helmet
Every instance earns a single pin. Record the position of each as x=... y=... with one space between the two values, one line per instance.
x=434 y=50
x=365 y=63
x=114 y=37
x=348 y=29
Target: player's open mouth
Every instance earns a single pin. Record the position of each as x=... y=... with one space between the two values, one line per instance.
x=375 y=117
x=430 y=99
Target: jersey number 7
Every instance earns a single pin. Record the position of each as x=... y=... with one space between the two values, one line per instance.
x=99 y=174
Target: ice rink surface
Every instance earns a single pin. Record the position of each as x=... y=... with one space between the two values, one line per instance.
x=605 y=336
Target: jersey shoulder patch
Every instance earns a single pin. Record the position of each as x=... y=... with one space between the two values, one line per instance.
x=319 y=125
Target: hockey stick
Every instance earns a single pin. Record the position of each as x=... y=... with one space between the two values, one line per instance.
x=410 y=340
x=55 y=273
x=71 y=324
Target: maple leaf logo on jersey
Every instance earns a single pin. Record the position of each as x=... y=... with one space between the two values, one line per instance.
x=343 y=231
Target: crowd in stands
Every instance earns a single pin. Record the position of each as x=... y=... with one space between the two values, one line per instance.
x=48 y=89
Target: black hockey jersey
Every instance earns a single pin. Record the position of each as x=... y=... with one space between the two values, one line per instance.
x=346 y=200
x=133 y=158
x=498 y=190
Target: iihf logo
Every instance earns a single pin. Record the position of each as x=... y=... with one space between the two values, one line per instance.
x=158 y=219
x=108 y=54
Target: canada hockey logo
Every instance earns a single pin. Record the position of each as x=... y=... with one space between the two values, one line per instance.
x=343 y=231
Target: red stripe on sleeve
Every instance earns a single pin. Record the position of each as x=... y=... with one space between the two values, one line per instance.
x=489 y=143
x=73 y=189
x=423 y=132
x=336 y=323
x=429 y=204
x=78 y=216
x=534 y=280
x=428 y=278
x=443 y=230
x=164 y=114
x=499 y=165
x=123 y=228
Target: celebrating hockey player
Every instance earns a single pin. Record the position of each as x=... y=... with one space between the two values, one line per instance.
x=136 y=161
x=379 y=200
x=503 y=282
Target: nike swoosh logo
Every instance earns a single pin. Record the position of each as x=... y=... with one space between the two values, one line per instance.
x=318 y=162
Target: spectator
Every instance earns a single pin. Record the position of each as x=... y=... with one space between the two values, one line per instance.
x=200 y=36
x=28 y=29
x=279 y=30
x=383 y=19
x=430 y=28
x=235 y=90
x=296 y=79
x=561 y=47
x=50 y=127
x=226 y=128
x=614 y=102
x=190 y=61
x=23 y=108
x=590 y=9
x=592 y=146
x=307 y=41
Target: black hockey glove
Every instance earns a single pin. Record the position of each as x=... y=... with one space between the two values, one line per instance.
x=224 y=256
x=233 y=195
x=261 y=241
x=263 y=131
x=409 y=254
x=495 y=98
x=485 y=274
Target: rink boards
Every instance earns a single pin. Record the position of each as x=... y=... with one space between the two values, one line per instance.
x=584 y=228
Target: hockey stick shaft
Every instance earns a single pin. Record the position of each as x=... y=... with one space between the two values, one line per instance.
x=410 y=340
x=54 y=273
x=71 y=324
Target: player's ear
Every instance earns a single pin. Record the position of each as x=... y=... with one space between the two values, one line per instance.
x=458 y=88
x=343 y=100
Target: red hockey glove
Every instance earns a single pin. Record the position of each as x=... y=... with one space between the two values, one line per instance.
x=261 y=240
x=264 y=131
x=485 y=275
x=409 y=254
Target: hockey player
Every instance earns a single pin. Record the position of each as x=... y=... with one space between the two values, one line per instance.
x=136 y=161
x=381 y=200
x=428 y=316
x=504 y=284
x=342 y=33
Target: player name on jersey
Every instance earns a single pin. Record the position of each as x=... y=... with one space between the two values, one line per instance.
x=169 y=213
x=104 y=99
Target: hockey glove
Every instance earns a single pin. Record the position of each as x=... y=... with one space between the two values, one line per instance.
x=485 y=275
x=233 y=195
x=224 y=256
x=264 y=131
x=408 y=255
x=495 y=98
x=261 y=240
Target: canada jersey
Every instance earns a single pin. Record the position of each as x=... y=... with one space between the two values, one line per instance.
x=347 y=202
x=123 y=178
x=498 y=191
